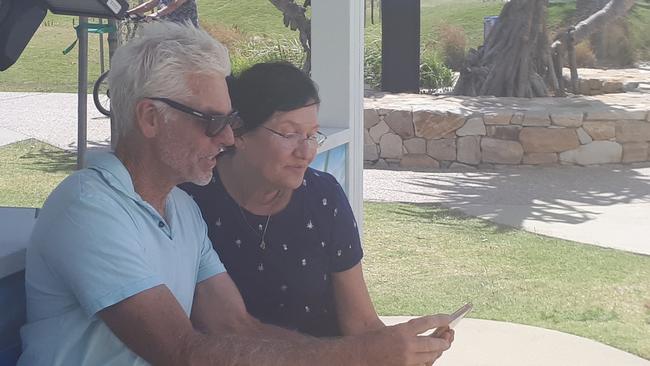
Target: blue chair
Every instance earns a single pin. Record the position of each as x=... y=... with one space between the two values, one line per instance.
x=12 y=317
x=16 y=224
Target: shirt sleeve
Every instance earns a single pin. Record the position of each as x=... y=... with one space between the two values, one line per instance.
x=346 y=251
x=93 y=246
x=209 y=264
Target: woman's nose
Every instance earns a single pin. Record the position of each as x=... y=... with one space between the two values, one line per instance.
x=306 y=149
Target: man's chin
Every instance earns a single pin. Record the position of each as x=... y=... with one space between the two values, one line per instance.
x=202 y=181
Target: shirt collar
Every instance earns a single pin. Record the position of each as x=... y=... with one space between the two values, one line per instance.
x=113 y=172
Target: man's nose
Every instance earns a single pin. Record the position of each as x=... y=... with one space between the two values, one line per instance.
x=225 y=136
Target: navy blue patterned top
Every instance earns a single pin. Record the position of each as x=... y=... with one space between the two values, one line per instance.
x=287 y=282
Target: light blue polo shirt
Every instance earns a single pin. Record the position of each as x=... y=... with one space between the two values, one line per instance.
x=96 y=243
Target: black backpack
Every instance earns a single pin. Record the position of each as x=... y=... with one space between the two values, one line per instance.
x=19 y=19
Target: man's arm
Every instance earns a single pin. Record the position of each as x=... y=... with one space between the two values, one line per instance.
x=154 y=326
x=169 y=8
x=144 y=7
x=218 y=307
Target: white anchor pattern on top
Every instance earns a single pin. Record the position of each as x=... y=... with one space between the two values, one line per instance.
x=324 y=220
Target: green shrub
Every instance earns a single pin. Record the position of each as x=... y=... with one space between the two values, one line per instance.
x=229 y=36
x=453 y=43
x=433 y=72
x=372 y=63
x=255 y=50
x=618 y=50
x=585 y=55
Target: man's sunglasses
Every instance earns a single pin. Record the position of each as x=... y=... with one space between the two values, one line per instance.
x=215 y=123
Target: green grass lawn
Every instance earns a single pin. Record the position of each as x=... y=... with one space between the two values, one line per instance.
x=423 y=259
x=30 y=170
x=43 y=67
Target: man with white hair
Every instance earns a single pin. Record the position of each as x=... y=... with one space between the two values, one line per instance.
x=120 y=270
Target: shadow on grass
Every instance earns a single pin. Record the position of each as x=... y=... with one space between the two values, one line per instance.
x=453 y=218
x=568 y=195
x=49 y=159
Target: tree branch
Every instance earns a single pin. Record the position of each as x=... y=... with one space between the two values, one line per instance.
x=295 y=18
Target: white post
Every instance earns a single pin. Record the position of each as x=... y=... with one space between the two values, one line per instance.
x=337 y=68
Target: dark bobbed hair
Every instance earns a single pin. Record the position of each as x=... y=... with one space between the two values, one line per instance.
x=266 y=88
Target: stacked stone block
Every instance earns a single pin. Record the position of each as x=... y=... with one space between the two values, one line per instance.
x=434 y=139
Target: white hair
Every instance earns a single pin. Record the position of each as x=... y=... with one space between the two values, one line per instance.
x=157 y=62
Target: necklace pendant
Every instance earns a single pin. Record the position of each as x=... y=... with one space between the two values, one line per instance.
x=263 y=244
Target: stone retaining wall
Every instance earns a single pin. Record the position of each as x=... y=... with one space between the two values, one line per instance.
x=424 y=139
x=600 y=81
x=596 y=86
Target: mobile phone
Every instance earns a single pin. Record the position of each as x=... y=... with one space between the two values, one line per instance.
x=459 y=314
x=456 y=316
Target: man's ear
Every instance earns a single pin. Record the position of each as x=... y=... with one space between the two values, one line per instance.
x=148 y=118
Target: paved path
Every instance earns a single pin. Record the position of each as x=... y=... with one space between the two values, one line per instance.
x=607 y=206
x=51 y=118
x=490 y=343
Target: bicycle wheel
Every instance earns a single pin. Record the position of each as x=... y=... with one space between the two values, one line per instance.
x=101 y=95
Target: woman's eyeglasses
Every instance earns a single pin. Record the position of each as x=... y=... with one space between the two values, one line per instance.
x=215 y=123
x=293 y=139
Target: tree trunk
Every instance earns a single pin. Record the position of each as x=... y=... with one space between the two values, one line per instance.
x=515 y=60
x=295 y=18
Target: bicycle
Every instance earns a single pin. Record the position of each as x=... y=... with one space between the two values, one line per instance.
x=126 y=29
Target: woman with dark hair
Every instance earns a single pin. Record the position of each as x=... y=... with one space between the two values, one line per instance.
x=285 y=232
